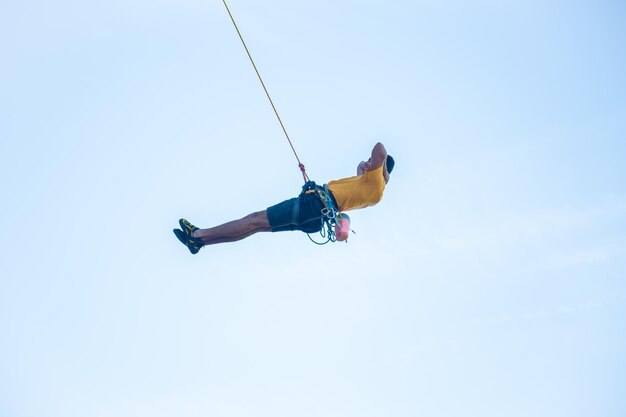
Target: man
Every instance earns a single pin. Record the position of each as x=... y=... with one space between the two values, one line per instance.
x=302 y=213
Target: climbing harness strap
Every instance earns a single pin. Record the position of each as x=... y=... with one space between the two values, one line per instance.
x=330 y=214
x=300 y=164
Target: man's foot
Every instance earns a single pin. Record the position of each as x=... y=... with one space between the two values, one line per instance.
x=187 y=227
x=192 y=244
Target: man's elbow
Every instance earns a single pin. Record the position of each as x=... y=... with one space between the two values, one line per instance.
x=379 y=149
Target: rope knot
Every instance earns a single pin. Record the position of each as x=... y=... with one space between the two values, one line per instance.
x=304 y=175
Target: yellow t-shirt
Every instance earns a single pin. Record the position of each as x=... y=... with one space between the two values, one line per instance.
x=359 y=191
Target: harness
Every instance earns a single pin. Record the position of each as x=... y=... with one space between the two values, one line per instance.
x=330 y=212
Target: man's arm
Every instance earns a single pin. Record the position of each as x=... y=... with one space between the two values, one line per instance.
x=379 y=156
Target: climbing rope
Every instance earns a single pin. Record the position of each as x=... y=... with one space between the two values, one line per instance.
x=330 y=214
x=300 y=164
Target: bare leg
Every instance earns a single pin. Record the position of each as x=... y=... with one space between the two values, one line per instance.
x=235 y=230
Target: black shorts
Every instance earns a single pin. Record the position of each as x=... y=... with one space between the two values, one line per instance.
x=302 y=213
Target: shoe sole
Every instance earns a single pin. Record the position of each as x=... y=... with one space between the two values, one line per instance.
x=184 y=239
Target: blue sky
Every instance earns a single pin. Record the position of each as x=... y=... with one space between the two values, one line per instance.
x=488 y=282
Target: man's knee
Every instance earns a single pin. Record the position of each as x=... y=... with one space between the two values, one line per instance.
x=258 y=220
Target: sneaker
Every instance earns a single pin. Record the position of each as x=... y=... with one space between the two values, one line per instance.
x=187 y=227
x=192 y=244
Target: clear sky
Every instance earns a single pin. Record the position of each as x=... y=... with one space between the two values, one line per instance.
x=489 y=282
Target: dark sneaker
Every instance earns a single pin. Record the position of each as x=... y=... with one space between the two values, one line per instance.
x=187 y=227
x=192 y=244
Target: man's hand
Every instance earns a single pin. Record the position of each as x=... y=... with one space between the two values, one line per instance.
x=363 y=167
